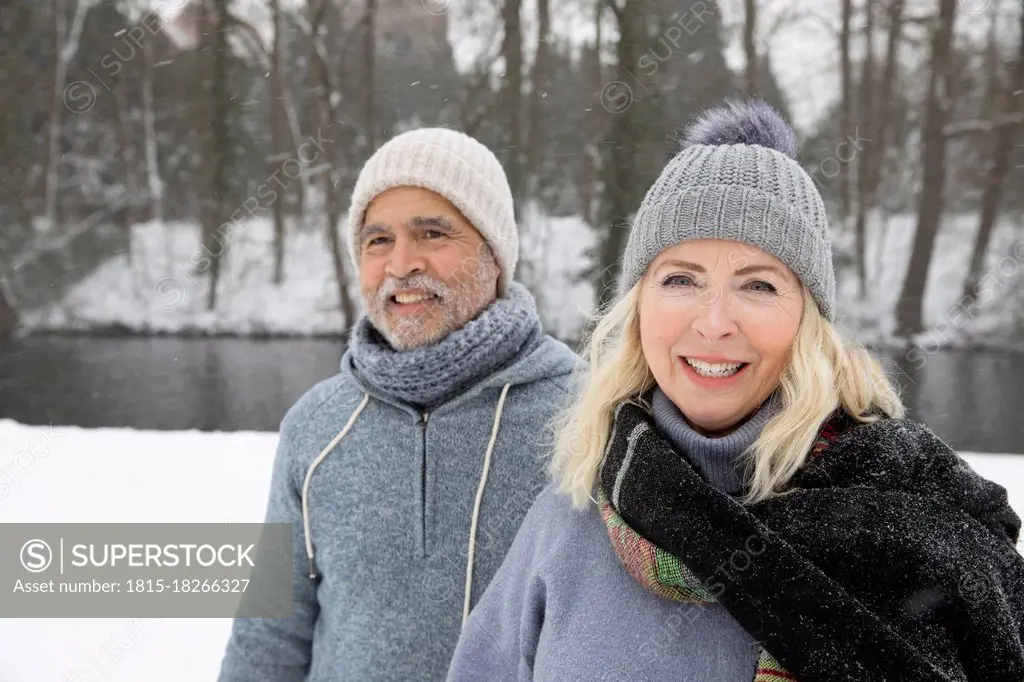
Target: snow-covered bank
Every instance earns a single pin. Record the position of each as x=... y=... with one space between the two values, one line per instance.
x=165 y=289
x=995 y=320
x=107 y=475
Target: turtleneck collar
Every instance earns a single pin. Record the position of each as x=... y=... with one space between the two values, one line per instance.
x=718 y=460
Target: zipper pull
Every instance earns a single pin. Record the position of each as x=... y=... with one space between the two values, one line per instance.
x=425 y=415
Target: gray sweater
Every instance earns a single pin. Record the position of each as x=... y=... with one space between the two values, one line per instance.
x=562 y=607
x=390 y=508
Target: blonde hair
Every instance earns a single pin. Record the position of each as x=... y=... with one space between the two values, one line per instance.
x=824 y=371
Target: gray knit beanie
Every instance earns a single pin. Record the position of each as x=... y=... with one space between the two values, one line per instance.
x=737 y=178
x=455 y=166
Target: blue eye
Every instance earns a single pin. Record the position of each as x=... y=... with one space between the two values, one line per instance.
x=763 y=287
x=676 y=281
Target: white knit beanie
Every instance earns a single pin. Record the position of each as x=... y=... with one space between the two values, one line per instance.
x=458 y=168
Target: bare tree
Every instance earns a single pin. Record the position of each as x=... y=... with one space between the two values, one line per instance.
x=277 y=135
x=511 y=100
x=369 y=79
x=8 y=313
x=879 y=135
x=155 y=184
x=623 y=182
x=288 y=122
x=868 y=116
x=846 y=102
x=67 y=41
x=217 y=140
x=476 y=97
x=323 y=93
x=540 y=81
x=590 y=169
x=750 y=47
x=909 y=309
x=1003 y=139
x=128 y=163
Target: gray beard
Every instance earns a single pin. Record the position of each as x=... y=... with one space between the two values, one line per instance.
x=456 y=306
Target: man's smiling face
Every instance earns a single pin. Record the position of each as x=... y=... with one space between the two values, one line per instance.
x=424 y=270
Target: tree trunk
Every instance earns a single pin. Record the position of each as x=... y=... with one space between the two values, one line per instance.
x=56 y=110
x=18 y=74
x=369 y=79
x=750 y=47
x=295 y=130
x=67 y=43
x=590 y=168
x=512 y=94
x=879 y=134
x=156 y=185
x=332 y=202
x=8 y=311
x=277 y=141
x=540 y=81
x=909 y=309
x=1003 y=141
x=846 y=104
x=624 y=184
x=868 y=118
x=218 y=144
x=128 y=162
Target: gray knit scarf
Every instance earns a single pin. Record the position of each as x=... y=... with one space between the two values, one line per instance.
x=428 y=376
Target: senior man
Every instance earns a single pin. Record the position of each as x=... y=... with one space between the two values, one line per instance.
x=407 y=474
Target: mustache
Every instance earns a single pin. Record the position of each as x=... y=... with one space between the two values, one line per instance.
x=393 y=284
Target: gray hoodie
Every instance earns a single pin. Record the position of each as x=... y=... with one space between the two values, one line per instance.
x=389 y=496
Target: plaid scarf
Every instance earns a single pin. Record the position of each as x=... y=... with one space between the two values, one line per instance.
x=665 y=575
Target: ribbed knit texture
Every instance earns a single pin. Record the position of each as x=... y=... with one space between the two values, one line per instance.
x=718 y=460
x=430 y=375
x=741 y=192
x=455 y=166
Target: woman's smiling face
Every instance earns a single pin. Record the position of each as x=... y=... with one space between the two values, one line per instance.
x=718 y=319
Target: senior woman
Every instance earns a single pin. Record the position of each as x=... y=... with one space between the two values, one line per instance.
x=737 y=493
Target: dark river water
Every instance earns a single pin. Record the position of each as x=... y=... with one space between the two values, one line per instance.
x=974 y=400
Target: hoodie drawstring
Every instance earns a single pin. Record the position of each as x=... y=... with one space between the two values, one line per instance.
x=476 y=505
x=309 y=476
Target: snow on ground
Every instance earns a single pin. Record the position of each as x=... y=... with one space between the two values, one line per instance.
x=108 y=475
x=553 y=257
x=165 y=289
x=947 y=322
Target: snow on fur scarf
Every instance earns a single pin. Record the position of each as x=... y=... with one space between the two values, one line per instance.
x=889 y=558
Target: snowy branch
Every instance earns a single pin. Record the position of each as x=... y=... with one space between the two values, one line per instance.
x=980 y=126
x=63 y=240
x=616 y=10
x=71 y=47
x=254 y=35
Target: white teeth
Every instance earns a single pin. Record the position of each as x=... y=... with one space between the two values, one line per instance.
x=709 y=369
x=412 y=298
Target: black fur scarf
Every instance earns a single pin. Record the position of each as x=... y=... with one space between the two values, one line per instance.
x=890 y=559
